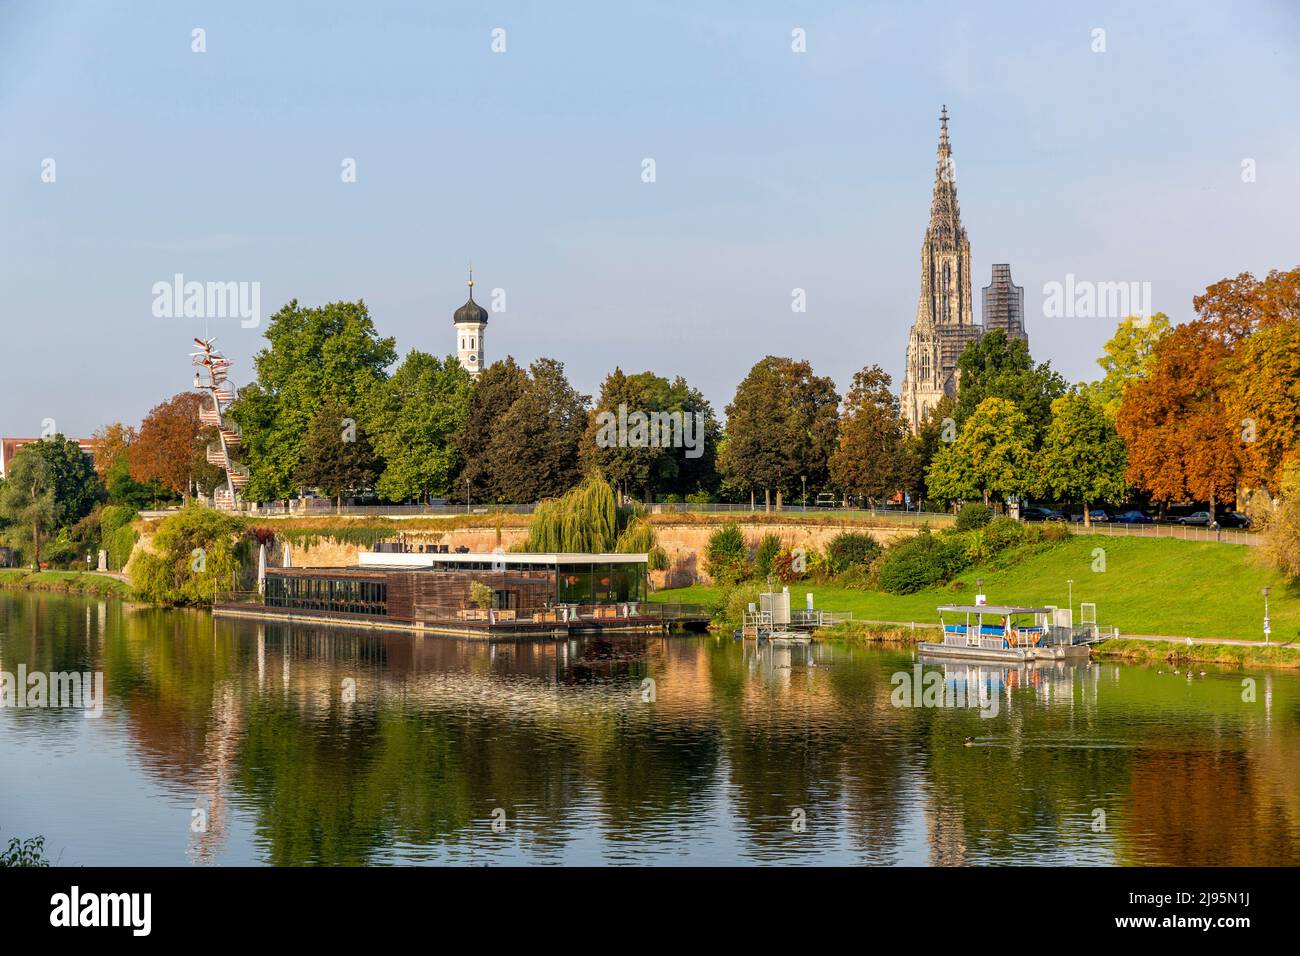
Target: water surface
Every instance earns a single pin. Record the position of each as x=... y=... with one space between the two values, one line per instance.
x=315 y=745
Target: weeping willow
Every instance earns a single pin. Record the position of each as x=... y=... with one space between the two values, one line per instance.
x=587 y=520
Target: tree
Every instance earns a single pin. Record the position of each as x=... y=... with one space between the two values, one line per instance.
x=498 y=387
x=869 y=458
x=195 y=553
x=336 y=456
x=534 y=449
x=414 y=418
x=648 y=435
x=1261 y=396
x=167 y=449
x=71 y=476
x=938 y=428
x=1127 y=358
x=333 y=351
x=782 y=428
x=112 y=443
x=1180 y=442
x=27 y=501
x=1082 y=458
x=997 y=367
x=991 y=455
x=1232 y=309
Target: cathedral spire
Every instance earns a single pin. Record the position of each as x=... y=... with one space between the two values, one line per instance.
x=945 y=216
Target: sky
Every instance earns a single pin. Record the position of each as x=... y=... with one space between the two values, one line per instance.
x=774 y=170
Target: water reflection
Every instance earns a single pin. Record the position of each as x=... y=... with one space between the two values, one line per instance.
x=235 y=741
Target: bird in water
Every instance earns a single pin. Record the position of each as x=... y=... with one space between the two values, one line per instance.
x=969 y=742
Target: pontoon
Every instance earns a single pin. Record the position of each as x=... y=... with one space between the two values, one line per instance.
x=999 y=632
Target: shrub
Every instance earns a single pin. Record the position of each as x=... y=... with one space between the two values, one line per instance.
x=737 y=600
x=116 y=535
x=768 y=548
x=726 y=559
x=849 y=550
x=921 y=562
x=973 y=515
x=197 y=552
x=29 y=852
x=1002 y=533
x=480 y=595
x=789 y=567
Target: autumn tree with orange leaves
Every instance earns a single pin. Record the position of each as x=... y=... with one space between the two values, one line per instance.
x=169 y=446
x=1180 y=441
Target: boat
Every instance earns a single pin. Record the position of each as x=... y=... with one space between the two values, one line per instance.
x=1003 y=632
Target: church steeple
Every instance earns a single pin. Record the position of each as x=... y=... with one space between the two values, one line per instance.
x=945 y=215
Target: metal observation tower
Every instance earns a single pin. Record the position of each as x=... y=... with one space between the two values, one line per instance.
x=212 y=375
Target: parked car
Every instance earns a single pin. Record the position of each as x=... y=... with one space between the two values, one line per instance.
x=1201 y=518
x=1095 y=515
x=1132 y=517
x=1040 y=514
x=1234 y=519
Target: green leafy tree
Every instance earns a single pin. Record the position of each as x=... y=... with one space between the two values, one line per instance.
x=498 y=387
x=1083 y=457
x=336 y=456
x=1127 y=358
x=414 y=418
x=312 y=353
x=27 y=501
x=782 y=427
x=869 y=459
x=938 y=428
x=998 y=367
x=534 y=447
x=990 y=457
x=72 y=475
x=649 y=455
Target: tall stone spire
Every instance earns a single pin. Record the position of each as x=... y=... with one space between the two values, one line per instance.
x=944 y=319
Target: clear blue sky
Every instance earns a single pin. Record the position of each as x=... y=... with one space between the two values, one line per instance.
x=775 y=171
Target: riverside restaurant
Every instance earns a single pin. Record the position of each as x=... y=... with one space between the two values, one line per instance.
x=471 y=594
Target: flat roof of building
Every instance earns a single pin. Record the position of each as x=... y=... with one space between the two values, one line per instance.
x=387 y=559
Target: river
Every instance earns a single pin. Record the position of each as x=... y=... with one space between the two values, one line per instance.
x=237 y=742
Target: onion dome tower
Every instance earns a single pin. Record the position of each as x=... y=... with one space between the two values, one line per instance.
x=470 y=320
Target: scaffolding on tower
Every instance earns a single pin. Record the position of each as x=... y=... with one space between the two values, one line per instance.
x=212 y=376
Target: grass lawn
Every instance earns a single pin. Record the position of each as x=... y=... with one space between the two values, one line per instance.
x=1157 y=586
x=71 y=582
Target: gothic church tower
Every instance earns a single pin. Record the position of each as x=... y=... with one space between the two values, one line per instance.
x=944 y=322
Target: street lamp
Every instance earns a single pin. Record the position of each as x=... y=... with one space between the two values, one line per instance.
x=804 y=480
x=1267 y=630
x=1070 y=582
x=979 y=590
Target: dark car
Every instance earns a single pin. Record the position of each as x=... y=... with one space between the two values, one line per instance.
x=1233 y=519
x=1040 y=514
x=1132 y=517
x=1095 y=515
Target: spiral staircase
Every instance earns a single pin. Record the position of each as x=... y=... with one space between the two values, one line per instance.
x=212 y=376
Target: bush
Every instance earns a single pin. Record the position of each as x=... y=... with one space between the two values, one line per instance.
x=197 y=552
x=849 y=550
x=788 y=568
x=1002 y=533
x=768 y=548
x=921 y=562
x=726 y=559
x=736 y=601
x=973 y=515
x=116 y=536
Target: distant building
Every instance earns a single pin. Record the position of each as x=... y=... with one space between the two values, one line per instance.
x=9 y=447
x=471 y=321
x=1004 y=304
x=944 y=323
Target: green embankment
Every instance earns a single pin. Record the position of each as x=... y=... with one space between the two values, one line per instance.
x=67 y=582
x=1155 y=586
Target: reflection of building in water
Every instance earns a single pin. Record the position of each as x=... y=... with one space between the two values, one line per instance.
x=945 y=833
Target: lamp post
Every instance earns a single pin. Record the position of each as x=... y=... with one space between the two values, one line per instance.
x=1267 y=630
x=1070 y=582
x=804 y=480
x=467 y=495
x=979 y=590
